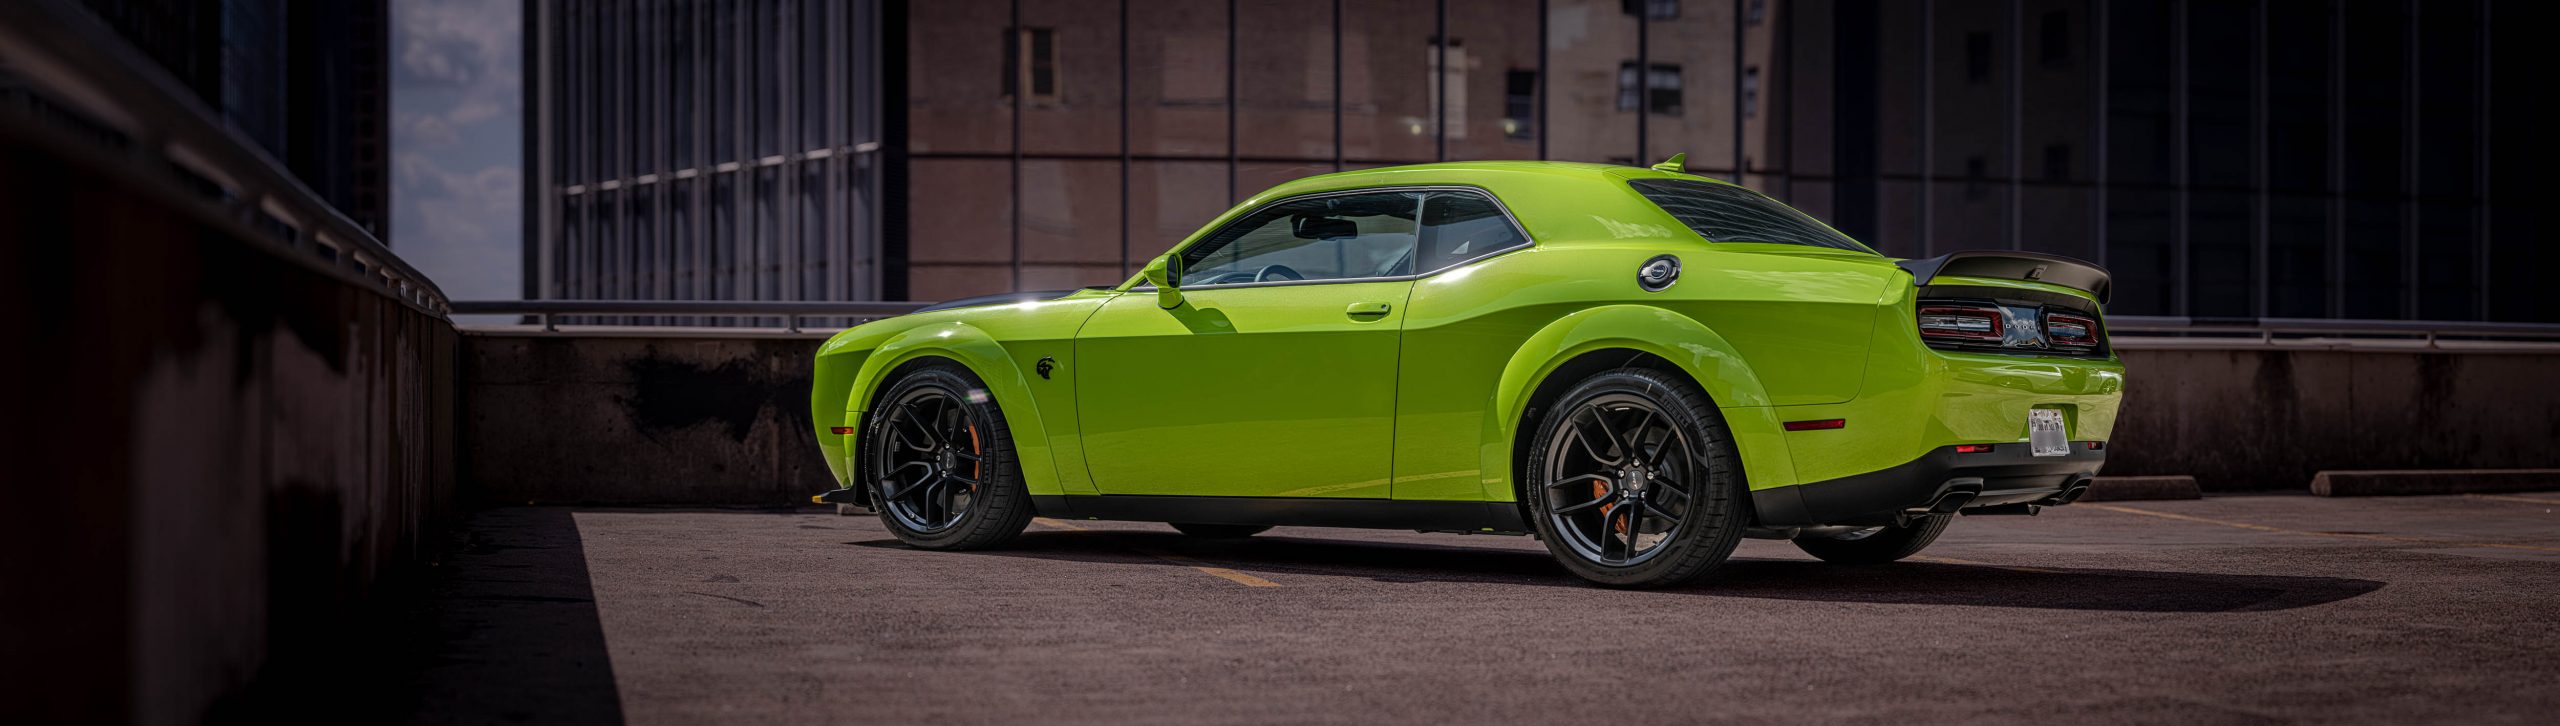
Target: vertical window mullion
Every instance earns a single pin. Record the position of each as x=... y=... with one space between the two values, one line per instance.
x=1013 y=169
x=1927 y=28
x=2181 y=165
x=2013 y=226
x=2337 y=258
x=2262 y=279
x=2102 y=22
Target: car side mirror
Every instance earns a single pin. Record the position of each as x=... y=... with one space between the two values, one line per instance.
x=1166 y=274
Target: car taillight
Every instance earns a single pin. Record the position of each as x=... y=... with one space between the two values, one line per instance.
x=2071 y=332
x=1961 y=324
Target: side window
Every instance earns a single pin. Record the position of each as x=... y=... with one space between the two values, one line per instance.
x=1321 y=238
x=1461 y=226
x=1727 y=213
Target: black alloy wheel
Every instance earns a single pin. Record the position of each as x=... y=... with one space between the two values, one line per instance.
x=1634 y=480
x=942 y=463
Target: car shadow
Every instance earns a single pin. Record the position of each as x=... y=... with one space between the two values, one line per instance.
x=1901 y=583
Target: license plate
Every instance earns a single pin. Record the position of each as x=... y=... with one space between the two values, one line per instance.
x=2045 y=434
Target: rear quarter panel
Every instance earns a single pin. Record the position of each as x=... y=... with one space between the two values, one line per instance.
x=1915 y=398
x=1759 y=326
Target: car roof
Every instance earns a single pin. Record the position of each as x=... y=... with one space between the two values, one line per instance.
x=1468 y=173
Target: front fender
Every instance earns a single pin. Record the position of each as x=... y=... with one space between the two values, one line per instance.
x=973 y=348
x=1707 y=357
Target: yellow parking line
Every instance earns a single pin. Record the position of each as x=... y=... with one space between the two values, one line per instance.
x=1954 y=561
x=2527 y=500
x=1058 y=523
x=1221 y=572
x=2334 y=535
x=1230 y=575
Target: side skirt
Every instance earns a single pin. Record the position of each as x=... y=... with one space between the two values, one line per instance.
x=1484 y=517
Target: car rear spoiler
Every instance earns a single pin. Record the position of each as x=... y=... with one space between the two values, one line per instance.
x=2009 y=265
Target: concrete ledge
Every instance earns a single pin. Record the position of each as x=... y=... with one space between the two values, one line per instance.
x=2140 y=488
x=2417 y=482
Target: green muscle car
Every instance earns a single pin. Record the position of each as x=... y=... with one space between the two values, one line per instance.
x=1638 y=366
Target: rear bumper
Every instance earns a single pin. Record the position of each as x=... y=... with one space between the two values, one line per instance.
x=2008 y=474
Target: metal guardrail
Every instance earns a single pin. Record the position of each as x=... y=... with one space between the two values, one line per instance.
x=2146 y=332
x=71 y=60
x=2126 y=331
x=792 y=313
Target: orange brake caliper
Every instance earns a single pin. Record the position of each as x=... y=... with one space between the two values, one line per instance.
x=978 y=470
x=1600 y=488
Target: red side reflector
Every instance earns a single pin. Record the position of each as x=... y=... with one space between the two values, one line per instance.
x=2097 y=446
x=1828 y=423
x=1973 y=448
x=842 y=430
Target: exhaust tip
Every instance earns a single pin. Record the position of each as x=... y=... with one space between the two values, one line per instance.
x=2073 y=491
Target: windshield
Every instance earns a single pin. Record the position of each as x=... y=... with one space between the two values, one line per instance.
x=1726 y=213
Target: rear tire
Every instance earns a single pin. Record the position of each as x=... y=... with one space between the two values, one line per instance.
x=1879 y=545
x=1633 y=480
x=941 y=463
x=1219 y=531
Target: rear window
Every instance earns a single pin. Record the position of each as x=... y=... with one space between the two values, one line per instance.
x=1724 y=213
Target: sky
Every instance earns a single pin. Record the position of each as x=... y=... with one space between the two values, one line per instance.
x=457 y=139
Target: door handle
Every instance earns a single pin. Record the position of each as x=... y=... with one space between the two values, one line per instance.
x=1365 y=309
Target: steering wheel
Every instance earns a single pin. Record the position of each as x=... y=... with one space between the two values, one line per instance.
x=1274 y=272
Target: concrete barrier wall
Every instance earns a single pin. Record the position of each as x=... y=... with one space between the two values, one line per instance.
x=645 y=419
x=216 y=451
x=2256 y=420
x=699 y=420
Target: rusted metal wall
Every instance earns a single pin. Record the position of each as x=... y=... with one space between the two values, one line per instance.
x=217 y=451
x=651 y=418
x=2268 y=419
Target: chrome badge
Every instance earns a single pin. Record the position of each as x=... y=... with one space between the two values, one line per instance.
x=2022 y=329
x=1658 y=273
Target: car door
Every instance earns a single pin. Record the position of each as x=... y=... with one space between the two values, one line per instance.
x=1276 y=375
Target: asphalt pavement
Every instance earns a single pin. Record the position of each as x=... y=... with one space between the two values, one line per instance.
x=2263 y=609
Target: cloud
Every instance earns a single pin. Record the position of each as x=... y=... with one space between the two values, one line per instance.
x=458 y=42
x=461 y=226
x=459 y=60
x=457 y=104
x=424 y=130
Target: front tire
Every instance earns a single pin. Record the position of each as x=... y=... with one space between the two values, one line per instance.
x=1877 y=545
x=941 y=462
x=1633 y=481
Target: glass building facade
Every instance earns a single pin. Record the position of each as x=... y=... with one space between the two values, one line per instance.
x=702 y=150
x=2225 y=158
x=307 y=82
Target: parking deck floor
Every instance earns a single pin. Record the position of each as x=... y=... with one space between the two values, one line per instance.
x=2225 y=610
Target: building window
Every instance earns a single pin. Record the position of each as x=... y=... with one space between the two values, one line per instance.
x=2056 y=46
x=1977 y=57
x=1757 y=10
x=2057 y=162
x=1652 y=9
x=1661 y=84
x=1031 y=59
x=1973 y=178
x=1520 y=104
x=1751 y=92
